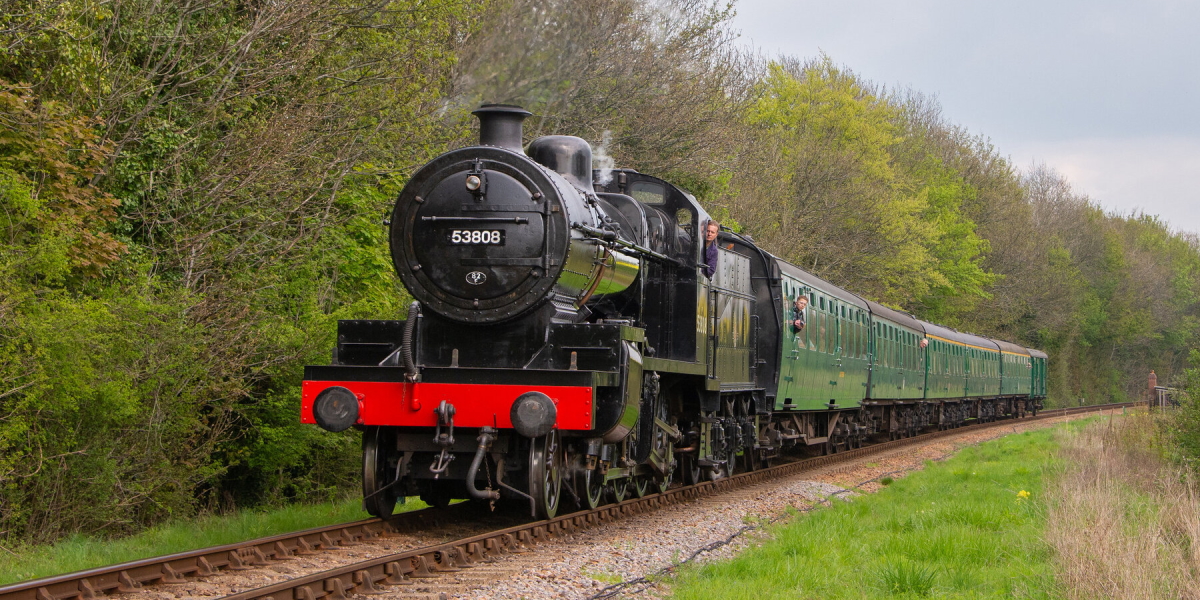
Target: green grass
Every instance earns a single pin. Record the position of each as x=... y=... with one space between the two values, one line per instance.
x=957 y=529
x=79 y=552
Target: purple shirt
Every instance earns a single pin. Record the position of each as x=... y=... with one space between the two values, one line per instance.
x=710 y=259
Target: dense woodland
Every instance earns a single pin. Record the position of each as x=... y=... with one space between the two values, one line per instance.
x=193 y=192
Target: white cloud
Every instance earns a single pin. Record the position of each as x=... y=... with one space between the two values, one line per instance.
x=1155 y=175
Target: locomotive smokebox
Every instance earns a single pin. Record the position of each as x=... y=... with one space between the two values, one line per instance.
x=500 y=125
x=487 y=235
x=566 y=155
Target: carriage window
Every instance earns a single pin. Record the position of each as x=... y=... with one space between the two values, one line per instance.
x=821 y=332
x=649 y=192
x=830 y=333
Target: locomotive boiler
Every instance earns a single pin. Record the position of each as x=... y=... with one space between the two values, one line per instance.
x=568 y=340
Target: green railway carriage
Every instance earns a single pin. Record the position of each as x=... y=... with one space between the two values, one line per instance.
x=961 y=365
x=983 y=360
x=1037 y=372
x=825 y=364
x=1016 y=370
x=945 y=376
x=898 y=368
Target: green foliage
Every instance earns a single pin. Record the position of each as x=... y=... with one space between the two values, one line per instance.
x=168 y=268
x=864 y=207
x=48 y=158
x=110 y=413
x=1183 y=425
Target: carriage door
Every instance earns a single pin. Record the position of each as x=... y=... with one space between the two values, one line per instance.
x=792 y=346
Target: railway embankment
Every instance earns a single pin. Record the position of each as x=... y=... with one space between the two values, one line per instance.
x=1087 y=510
x=735 y=545
x=1123 y=521
x=971 y=525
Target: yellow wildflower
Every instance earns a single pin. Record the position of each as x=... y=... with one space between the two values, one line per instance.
x=1023 y=494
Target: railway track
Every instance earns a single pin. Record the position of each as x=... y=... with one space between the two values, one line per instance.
x=419 y=568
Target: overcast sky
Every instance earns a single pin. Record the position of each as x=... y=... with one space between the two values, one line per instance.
x=1105 y=92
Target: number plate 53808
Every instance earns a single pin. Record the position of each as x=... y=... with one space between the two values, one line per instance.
x=491 y=237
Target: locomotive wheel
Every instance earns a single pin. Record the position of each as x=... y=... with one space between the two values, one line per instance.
x=545 y=474
x=619 y=489
x=377 y=445
x=690 y=468
x=641 y=485
x=664 y=482
x=592 y=494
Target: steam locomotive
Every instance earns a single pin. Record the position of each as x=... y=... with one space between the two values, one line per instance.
x=568 y=341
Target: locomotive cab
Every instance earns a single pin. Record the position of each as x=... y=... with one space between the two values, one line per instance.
x=672 y=291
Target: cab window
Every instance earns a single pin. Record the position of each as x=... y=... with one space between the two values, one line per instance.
x=648 y=192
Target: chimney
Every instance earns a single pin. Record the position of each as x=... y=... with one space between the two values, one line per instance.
x=500 y=125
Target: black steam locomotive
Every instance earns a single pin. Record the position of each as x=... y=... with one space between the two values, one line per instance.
x=570 y=338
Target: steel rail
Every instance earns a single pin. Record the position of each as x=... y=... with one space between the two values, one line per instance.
x=133 y=576
x=403 y=568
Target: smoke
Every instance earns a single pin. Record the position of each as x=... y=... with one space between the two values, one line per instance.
x=602 y=160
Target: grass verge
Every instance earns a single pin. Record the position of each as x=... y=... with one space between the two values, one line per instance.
x=1125 y=523
x=80 y=552
x=969 y=527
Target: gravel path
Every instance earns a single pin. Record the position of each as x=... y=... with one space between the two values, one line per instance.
x=589 y=564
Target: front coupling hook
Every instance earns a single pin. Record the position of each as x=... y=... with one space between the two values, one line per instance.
x=445 y=415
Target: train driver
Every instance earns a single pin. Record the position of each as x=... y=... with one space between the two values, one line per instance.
x=710 y=247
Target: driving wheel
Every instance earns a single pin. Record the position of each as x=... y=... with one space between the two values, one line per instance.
x=379 y=497
x=545 y=474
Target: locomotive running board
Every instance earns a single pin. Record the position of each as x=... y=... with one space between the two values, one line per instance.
x=464 y=375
